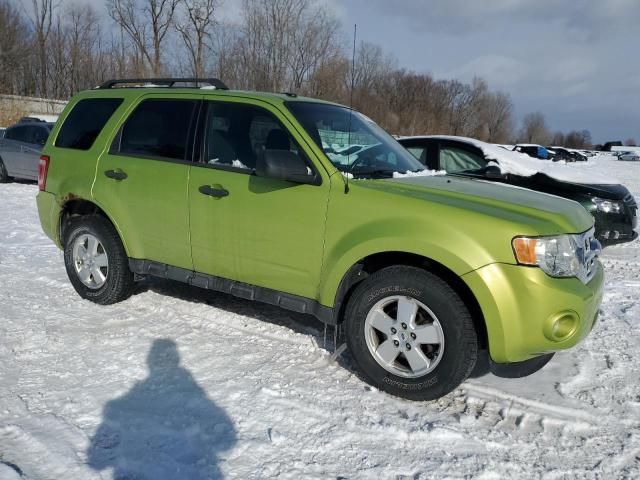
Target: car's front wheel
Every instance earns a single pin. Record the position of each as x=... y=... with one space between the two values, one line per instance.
x=96 y=262
x=410 y=334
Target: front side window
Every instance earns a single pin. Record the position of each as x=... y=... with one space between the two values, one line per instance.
x=236 y=135
x=85 y=122
x=158 y=129
x=353 y=142
x=453 y=159
x=420 y=153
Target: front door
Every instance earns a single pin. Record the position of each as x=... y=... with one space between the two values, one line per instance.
x=142 y=180
x=257 y=230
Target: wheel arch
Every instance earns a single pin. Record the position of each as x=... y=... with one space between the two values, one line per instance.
x=76 y=207
x=370 y=264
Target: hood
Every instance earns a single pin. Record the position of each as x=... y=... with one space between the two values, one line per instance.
x=608 y=191
x=544 y=213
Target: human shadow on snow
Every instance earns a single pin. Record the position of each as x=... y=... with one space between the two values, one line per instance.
x=164 y=428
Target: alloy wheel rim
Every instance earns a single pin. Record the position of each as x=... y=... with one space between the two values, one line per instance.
x=404 y=336
x=90 y=261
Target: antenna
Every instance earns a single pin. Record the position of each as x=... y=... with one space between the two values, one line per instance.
x=353 y=75
x=353 y=65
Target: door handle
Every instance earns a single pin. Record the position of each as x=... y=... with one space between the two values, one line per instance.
x=116 y=174
x=213 y=192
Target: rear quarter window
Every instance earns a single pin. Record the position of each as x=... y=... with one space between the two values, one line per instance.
x=85 y=122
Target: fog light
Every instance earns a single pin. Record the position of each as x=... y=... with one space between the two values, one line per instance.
x=561 y=326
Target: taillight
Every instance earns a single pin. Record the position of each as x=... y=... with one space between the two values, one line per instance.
x=43 y=168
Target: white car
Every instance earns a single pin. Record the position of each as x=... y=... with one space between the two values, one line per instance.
x=629 y=156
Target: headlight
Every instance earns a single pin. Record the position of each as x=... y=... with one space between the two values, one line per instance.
x=559 y=256
x=607 y=206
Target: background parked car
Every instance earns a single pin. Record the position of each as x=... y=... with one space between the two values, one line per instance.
x=535 y=151
x=629 y=156
x=567 y=155
x=20 y=149
x=613 y=206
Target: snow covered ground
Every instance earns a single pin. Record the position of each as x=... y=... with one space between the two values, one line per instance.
x=181 y=383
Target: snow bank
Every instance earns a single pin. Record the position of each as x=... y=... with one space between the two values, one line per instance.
x=518 y=163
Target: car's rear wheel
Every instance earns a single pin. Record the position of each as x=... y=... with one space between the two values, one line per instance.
x=4 y=176
x=96 y=262
x=410 y=334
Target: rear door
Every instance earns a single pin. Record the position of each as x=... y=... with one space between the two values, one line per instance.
x=142 y=179
x=36 y=138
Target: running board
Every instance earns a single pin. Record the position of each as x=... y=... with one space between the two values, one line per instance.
x=287 y=301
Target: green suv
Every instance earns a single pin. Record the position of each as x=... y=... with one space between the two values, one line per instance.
x=311 y=206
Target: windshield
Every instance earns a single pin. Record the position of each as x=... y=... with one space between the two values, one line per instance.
x=352 y=141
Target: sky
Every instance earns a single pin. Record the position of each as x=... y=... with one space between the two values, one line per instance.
x=574 y=60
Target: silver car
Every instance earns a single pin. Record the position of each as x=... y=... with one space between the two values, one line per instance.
x=633 y=156
x=20 y=150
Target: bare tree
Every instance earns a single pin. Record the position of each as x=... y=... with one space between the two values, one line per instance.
x=498 y=117
x=15 y=42
x=314 y=42
x=534 y=129
x=83 y=46
x=42 y=21
x=559 y=139
x=195 y=30
x=578 y=139
x=147 y=23
x=631 y=142
x=282 y=43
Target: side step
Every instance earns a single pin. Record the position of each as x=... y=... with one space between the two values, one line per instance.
x=287 y=301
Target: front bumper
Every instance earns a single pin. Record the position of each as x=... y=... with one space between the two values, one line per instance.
x=528 y=313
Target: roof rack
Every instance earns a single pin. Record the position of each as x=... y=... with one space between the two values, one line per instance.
x=166 y=82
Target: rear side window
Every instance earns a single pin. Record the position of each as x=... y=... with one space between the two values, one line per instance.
x=158 y=129
x=19 y=134
x=85 y=122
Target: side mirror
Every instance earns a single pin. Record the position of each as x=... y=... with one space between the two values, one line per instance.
x=493 y=171
x=284 y=165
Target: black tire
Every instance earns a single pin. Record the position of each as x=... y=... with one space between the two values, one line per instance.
x=119 y=281
x=4 y=176
x=460 y=351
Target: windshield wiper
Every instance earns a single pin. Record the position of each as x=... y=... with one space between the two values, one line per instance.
x=372 y=172
x=490 y=171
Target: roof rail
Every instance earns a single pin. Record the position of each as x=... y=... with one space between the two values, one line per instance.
x=165 y=82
